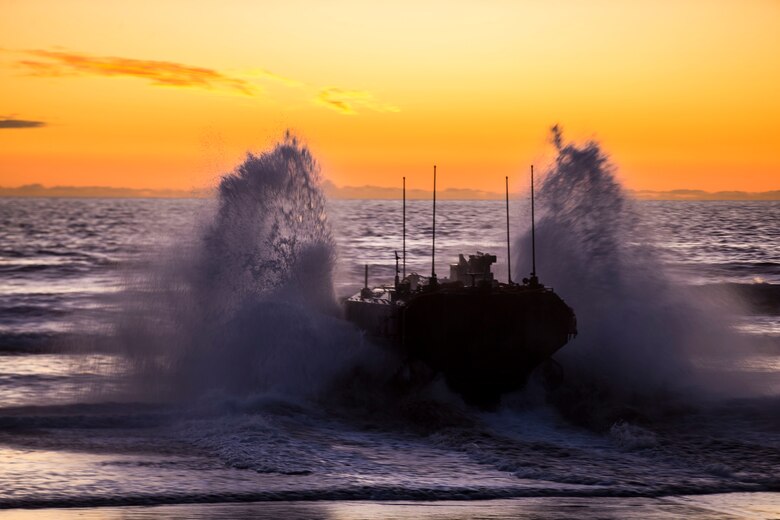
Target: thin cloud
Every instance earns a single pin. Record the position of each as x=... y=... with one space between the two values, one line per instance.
x=267 y=74
x=7 y=122
x=348 y=101
x=53 y=64
x=159 y=73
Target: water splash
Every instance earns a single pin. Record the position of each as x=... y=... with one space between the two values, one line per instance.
x=639 y=332
x=271 y=235
x=248 y=304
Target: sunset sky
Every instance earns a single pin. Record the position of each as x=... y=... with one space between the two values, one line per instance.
x=169 y=94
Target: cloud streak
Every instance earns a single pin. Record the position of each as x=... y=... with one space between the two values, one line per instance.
x=267 y=74
x=56 y=64
x=348 y=101
x=158 y=73
x=7 y=122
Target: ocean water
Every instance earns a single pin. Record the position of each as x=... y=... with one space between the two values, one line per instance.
x=74 y=433
x=158 y=354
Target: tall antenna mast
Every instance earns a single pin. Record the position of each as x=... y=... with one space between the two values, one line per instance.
x=433 y=244
x=533 y=228
x=508 y=256
x=404 y=230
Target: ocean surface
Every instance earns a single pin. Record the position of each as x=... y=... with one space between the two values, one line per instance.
x=132 y=375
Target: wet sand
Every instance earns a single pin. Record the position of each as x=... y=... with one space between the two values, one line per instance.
x=763 y=506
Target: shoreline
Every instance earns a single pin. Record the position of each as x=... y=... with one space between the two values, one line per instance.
x=717 y=505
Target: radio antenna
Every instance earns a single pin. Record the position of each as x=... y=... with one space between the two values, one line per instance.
x=533 y=228
x=433 y=244
x=404 y=230
x=508 y=256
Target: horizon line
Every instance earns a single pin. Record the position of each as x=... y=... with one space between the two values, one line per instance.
x=366 y=192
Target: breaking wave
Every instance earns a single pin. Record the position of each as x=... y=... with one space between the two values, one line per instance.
x=247 y=304
x=640 y=334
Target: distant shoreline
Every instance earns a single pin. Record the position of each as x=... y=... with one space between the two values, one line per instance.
x=359 y=193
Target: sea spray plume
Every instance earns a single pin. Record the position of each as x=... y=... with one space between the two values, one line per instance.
x=248 y=305
x=270 y=234
x=639 y=334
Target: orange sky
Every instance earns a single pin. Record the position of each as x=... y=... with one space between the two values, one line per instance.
x=168 y=94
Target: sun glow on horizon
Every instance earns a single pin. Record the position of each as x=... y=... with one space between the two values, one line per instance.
x=168 y=95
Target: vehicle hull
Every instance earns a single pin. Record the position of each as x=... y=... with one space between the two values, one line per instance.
x=486 y=342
